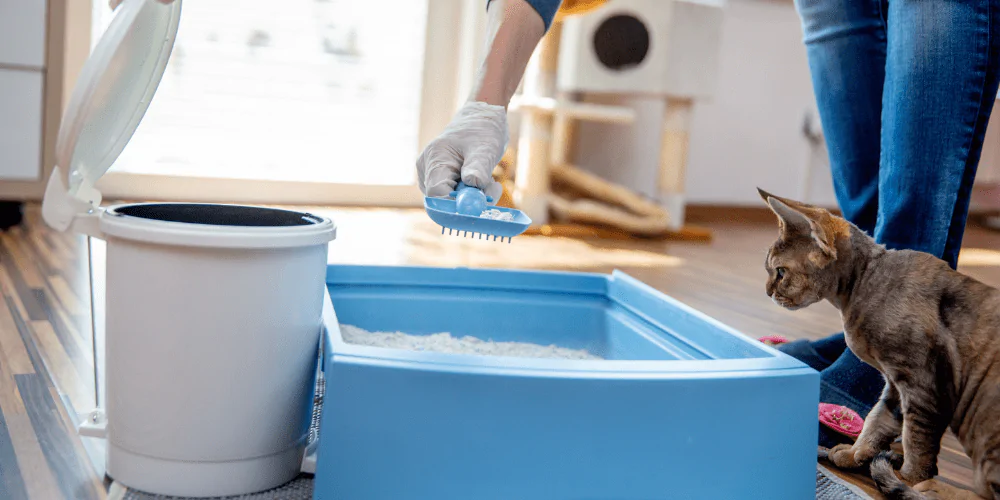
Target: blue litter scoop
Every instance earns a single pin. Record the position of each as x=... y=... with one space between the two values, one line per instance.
x=461 y=214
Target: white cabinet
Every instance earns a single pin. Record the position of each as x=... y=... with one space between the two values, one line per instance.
x=22 y=84
x=20 y=124
x=22 y=33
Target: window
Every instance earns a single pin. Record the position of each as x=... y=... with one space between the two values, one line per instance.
x=294 y=101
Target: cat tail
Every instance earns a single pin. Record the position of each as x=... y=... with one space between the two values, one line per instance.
x=890 y=485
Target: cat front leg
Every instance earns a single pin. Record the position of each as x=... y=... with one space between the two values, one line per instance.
x=882 y=425
x=923 y=429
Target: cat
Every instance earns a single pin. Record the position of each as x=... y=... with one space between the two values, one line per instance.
x=932 y=332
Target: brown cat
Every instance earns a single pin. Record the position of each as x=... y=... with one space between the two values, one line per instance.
x=932 y=332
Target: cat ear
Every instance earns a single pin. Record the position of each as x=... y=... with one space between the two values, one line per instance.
x=793 y=221
x=764 y=195
x=789 y=219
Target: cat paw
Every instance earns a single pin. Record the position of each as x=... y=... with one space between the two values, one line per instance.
x=846 y=457
x=911 y=473
x=932 y=486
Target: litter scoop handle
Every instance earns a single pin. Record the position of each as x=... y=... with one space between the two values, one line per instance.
x=470 y=200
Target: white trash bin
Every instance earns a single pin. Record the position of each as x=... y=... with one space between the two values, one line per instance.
x=213 y=313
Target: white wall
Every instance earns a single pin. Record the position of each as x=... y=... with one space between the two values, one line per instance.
x=749 y=135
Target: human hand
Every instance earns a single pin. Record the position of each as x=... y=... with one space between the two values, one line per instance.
x=468 y=149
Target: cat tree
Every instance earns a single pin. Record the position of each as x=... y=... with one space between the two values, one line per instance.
x=664 y=48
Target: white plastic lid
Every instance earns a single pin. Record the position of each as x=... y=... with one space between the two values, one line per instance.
x=112 y=94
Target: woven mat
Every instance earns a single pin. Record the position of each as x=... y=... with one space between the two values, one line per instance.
x=828 y=486
x=831 y=487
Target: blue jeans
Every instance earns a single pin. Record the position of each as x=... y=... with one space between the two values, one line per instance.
x=904 y=89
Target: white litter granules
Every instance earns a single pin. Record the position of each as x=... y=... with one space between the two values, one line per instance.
x=444 y=342
x=497 y=215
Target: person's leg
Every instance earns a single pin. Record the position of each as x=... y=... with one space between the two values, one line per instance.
x=940 y=84
x=818 y=354
x=846 y=47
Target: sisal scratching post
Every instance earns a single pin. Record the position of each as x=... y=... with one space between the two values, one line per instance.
x=673 y=157
x=605 y=203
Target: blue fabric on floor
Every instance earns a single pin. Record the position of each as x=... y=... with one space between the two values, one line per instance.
x=847 y=381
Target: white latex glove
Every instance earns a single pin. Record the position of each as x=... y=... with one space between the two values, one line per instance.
x=468 y=149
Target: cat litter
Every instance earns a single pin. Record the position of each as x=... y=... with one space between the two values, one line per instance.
x=494 y=214
x=446 y=343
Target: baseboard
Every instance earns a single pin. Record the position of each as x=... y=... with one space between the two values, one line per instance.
x=983 y=216
x=709 y=214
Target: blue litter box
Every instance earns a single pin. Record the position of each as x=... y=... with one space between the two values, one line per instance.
x=682 y=406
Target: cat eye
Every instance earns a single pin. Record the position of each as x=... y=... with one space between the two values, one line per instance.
x=780 y=272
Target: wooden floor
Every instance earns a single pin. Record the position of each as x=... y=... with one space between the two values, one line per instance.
x=46 y=354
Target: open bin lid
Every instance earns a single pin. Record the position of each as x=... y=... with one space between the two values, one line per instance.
x=110 y=97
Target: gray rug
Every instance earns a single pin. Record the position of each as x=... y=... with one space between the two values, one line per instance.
x=831 y=487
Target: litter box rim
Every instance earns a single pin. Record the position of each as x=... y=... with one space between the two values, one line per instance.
x=777 y=364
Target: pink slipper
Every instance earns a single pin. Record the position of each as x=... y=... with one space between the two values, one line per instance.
x=841 y=419
x=773 y=340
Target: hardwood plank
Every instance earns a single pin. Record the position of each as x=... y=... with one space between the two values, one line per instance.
x=67 y=414
x=67 y=298
x=32 y=466
x=8 y=289
x=10 y=400
x=25 y=264
x=27 y=340
x=72 y=343
x=44 y=254
x=18 y=286
x=11 y=483
x=76 y=328
x=63 y=371
x=12 y=345
x=66 y=245
x=38 y=477
x=25 y=245
x=72 y=474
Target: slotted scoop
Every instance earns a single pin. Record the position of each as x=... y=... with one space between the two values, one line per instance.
x=461 y=215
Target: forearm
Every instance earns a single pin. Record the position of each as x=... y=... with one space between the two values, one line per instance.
x=515 y=28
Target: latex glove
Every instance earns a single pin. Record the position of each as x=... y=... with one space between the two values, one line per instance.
x=468 y=149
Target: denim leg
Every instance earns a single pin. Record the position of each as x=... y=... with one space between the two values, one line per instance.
x=846 y=47
x=941 y=82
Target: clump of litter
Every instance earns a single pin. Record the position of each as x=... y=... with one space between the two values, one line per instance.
x=444 y=342
x=497 y=215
